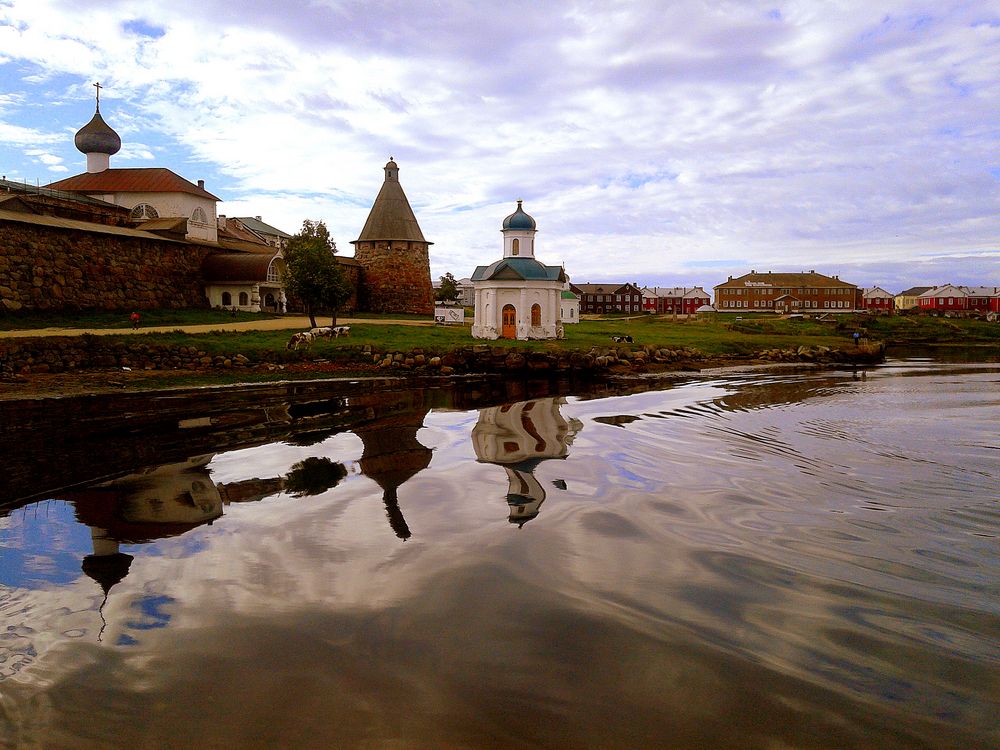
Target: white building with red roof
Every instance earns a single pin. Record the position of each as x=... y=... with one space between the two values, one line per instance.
x=150 y=193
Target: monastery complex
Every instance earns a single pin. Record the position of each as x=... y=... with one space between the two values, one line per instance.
x=146 y=238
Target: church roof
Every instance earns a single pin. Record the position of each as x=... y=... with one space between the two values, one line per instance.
x=138 y=180
x=525 y=269
x=235 y=230
x=779 y=279
x=519 y=219
x=254 y=224
x=391 y=217
x=237 y=266
x=86 y=226
x=97 y=137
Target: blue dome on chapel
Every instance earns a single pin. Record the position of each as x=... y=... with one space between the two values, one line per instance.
x=519 y=220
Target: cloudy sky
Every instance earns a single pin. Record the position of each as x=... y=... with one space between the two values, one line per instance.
x=661 y=142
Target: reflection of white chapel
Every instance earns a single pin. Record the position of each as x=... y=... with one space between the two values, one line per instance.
x=519 y=437
x=517 y=297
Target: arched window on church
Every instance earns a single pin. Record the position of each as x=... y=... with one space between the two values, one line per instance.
x=144 y=212
x=515 y=247
x=227 y=299
x=244 y=299
x=536 y=315
x=199 y=216
x=274 y=272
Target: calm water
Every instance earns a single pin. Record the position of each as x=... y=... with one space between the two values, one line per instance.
x=784 y=560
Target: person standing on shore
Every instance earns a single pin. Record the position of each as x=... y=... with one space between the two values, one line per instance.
x=134 y=317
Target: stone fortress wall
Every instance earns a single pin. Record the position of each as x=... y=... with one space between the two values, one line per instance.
x=52 y=268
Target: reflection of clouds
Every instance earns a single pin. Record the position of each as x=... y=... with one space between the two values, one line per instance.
x=274 y=459
x=709 y=573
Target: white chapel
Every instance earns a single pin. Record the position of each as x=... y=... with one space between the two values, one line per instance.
x=517 y=297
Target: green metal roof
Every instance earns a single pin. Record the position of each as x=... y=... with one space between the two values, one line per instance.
x=255 y=224
x=526 y=269
x=519 y=220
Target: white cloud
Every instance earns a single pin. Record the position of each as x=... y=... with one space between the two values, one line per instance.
x=841 y=133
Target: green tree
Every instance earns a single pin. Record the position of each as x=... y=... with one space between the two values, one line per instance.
x=312 y=273
x=448 y=292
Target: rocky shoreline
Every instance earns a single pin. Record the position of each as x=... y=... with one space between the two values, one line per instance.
x=49 y=367
x=86 y=353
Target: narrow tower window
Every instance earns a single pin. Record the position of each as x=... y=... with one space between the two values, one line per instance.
x=515 y=246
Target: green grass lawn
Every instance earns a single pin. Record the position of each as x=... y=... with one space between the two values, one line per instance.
x=718 y=335
x=920 y=329
x=710 y=337
x=27 y=320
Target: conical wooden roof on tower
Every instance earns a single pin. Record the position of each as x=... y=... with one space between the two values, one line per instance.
x=393 y=254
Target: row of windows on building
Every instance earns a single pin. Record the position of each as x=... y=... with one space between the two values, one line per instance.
x=771 y=291
x=227 y=299
x=611 y=297
x=592 y=307
x=145 y=212
x=811 y=303
x=244 y=300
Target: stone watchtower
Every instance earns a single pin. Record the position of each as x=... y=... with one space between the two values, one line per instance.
x=392 y=251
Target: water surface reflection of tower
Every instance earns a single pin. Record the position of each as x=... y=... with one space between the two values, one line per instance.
x=519 y=437
x=392 y=456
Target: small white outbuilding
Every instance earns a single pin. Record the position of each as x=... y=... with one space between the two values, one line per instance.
x=517 y=297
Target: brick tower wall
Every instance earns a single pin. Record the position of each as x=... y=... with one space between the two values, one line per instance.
x=395 y=278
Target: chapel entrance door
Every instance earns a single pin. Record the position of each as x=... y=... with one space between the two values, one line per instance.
x=508 y=319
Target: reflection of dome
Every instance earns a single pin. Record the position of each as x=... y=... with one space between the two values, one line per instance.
x=107 y=570
x=519 y=220
x=97 y=137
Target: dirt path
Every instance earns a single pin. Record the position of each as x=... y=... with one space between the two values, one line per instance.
x=271 y=324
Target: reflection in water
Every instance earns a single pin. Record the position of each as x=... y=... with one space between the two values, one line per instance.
x=392 y=456
x=152 y=504
x=753 y=561
x=314 y=476
x=139 y=508
x=519 y=437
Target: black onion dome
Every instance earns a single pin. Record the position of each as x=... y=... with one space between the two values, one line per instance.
x=97 y=137
x=519 y=220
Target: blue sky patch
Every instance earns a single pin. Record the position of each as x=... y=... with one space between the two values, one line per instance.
x=44 y=546
x=140 y=27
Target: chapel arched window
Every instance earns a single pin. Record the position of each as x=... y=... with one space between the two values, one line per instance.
x=536 y=315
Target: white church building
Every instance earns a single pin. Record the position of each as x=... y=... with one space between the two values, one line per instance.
x=517 y=297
